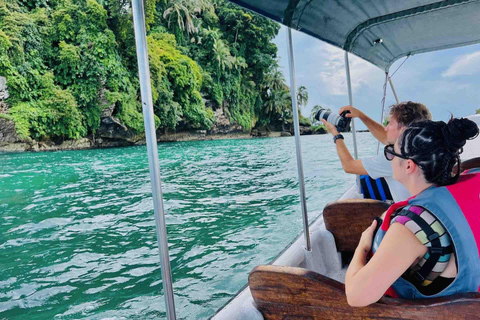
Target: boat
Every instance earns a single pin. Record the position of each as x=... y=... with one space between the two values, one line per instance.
x=305 y=280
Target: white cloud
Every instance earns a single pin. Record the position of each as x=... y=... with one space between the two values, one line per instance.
x=465 y=65
x=333 y=76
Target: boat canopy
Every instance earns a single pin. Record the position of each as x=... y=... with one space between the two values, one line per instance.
x=380 y=32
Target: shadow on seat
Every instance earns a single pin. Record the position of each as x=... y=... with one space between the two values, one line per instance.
x=296 y=293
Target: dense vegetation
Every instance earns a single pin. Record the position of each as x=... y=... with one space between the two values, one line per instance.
x=60 y=57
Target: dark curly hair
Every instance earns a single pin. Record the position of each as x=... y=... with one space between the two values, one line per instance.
x=435 y=146
x=408 y=112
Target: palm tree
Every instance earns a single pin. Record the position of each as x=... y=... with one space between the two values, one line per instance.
x=222 y=56
x=180 y=11
x=277 y=102
x=279 y=106
x=274 y=79
x=199 y=6
x=302 y=97
x=314 y=112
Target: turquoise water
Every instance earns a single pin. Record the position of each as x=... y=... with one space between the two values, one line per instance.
x=77 y=231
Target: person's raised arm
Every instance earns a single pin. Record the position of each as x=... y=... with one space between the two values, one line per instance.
x=377 y=129
x=366 y=283
x=349 y=164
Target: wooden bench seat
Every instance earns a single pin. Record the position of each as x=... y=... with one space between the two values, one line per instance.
x=296 y=293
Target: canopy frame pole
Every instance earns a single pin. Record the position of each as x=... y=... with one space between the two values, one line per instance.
x=383 y=105
x=293 y=91
x=151 y=139
x=393 y=89
x=350 y=101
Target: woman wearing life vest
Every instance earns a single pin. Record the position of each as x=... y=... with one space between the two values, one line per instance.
x=428 y=245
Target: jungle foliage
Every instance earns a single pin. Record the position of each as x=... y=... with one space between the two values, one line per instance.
x=60 y=57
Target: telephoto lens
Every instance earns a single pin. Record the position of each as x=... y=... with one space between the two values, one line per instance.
x=340 y=121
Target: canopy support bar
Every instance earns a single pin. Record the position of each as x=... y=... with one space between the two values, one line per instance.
x=393 y=89
x=383 y=105
x=350 y=101
x=293 y=91
x=151 y=139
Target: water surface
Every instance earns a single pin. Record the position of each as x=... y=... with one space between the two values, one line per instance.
x=77 y=231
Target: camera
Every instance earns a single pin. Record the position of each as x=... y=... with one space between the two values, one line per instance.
x=340 y=121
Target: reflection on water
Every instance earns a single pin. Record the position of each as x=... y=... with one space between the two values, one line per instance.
x=77 y=232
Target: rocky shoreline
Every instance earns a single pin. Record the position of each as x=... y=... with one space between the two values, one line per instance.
x=120 y=137
x=89 y=143
x=112 y=133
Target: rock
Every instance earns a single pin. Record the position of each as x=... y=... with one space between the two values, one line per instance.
x=320 y=131
x=3 y=88
x=112 y=128
x=34 y=146
x=3 y=107
x=7 y=131
x=259 y=133
x=200 y=132
x=14 y=147
x=107 y=106
x=304 y=131
x=223 y=125
x=285 y=134
x=83 y=143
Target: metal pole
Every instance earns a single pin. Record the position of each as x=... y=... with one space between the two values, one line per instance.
x=350 y=101
x=383 y=106
x=393 y=89
x=151 y=139
x=293 y=90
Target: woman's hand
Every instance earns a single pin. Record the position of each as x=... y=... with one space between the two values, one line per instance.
x=366 y=240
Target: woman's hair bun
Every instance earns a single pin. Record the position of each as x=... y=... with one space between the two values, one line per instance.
x=457 y=131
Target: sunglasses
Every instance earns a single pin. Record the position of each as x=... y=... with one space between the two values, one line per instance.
x=389 y=153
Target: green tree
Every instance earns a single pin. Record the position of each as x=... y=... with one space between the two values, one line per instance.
x=302 y=97
x=60 y=56
x=274 y=80
x=478 y=111
x=176 y=84
x=222 y=56
x=180 y=13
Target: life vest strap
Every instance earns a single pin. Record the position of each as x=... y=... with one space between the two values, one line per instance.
x=435 y=251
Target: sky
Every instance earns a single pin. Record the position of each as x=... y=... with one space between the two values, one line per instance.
x=445 y=81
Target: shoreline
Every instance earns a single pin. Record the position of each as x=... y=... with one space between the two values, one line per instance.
x=103 y=143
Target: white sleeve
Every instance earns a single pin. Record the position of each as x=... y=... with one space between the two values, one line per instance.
x=378 y=166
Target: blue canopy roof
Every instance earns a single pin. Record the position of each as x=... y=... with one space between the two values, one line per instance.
x=380 y=32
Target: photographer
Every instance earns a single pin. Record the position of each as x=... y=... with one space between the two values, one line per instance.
x=401 y=115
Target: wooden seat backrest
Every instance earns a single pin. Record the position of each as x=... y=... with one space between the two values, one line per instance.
x=296 y=293
x=468 y=164
x=347 y=219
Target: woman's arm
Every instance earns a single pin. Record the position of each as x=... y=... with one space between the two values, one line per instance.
x=366 y=283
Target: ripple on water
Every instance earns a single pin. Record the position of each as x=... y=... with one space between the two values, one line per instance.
x=78 y=237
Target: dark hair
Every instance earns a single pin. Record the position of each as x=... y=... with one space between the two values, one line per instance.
x=408 y=112
x=435 y=146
